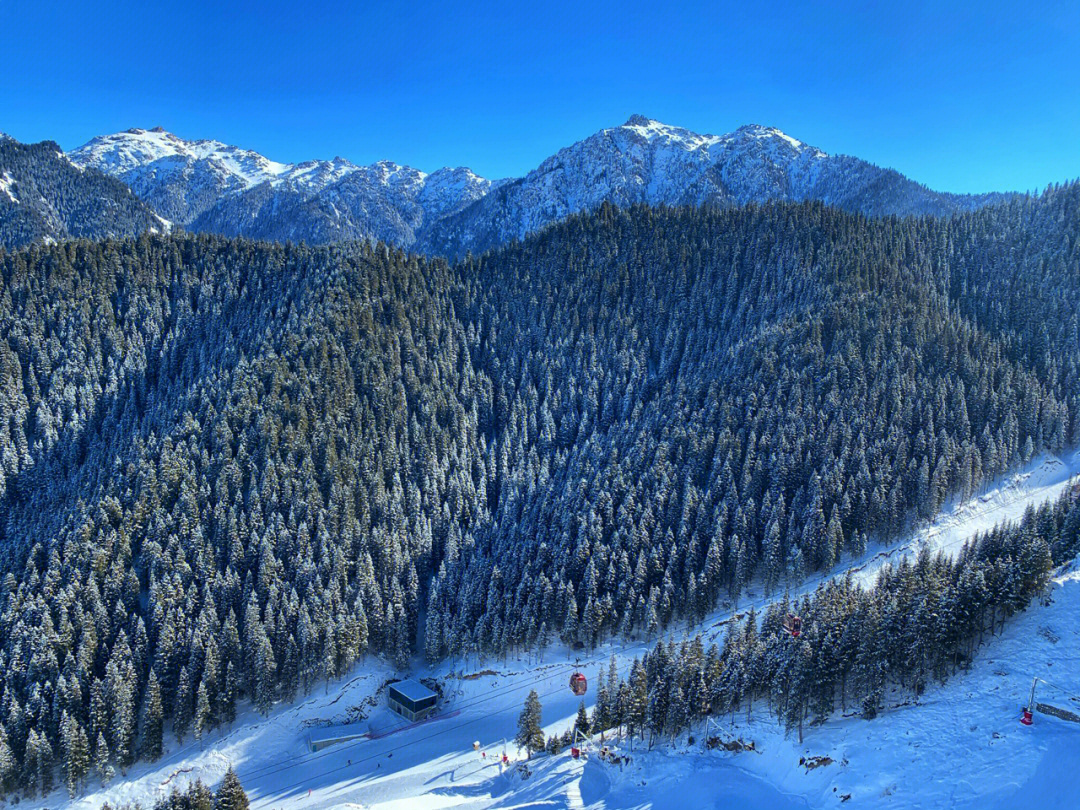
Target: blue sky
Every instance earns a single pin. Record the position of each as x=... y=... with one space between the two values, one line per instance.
x=962 y=97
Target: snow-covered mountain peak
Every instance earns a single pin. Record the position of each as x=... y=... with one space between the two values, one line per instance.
x=757 y=132
x=395 y=174
x=663 y=139
x=317 y=174
x=179 y=178
x=206 y=184
x=451 y=189
x=210 y=185
x=136 y=151
x=128 y=150
x=653 y=130
x=457 y=176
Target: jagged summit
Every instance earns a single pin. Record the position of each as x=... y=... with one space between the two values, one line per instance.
x=210 y=185
x=213 y=185
x=651 y=128
x=130 y=154
x=648 y=161
x=758 y=131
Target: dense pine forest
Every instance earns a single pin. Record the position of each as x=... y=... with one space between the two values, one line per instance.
x=44 y=197
x=230 y=469
x=917 y=625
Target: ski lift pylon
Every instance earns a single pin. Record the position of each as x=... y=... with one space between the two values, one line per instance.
x=1026 y=717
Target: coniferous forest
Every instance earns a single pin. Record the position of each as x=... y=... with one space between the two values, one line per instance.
x=230 y=469
x=43 y=197
x=917 y=625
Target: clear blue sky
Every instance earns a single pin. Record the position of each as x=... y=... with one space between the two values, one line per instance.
x=976 y=96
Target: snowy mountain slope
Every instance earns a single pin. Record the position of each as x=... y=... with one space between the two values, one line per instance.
x=645 y=161
x=384 y=201
x=1004 y=501
x=960 y=745
x=210 y=186
x=179 y=178
x=44 y=197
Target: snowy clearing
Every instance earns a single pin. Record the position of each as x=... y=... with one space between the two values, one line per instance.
x=7 y=182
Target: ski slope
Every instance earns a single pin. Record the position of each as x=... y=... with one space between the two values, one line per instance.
x=961 y=745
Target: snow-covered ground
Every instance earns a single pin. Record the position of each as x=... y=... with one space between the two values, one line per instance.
x=1003 y=501
x=961 y=745
x=7 y=183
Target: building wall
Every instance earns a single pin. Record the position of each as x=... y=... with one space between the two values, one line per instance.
x=406 y=712
x=318 y=745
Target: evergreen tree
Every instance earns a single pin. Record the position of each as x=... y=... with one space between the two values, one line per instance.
x=202 y=712
x=76 y=753
x=581 y=722
x=38 y=764
x=102 y=760
x=530 y=735
x=230 y=794
x=182 y=711
x=152 y=720
x=8 y=763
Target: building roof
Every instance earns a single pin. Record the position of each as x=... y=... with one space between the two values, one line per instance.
x=413 y=690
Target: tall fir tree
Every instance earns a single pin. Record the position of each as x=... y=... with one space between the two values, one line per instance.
x=530 y=734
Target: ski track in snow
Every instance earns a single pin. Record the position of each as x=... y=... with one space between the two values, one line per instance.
x=960 y=745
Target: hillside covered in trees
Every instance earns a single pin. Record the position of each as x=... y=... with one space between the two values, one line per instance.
x=45 y=197
x=230 y=469
x=917 y=625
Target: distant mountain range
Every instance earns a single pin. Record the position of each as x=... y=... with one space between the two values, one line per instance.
x=210 y=186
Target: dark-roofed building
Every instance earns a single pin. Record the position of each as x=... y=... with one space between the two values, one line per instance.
x=411 y=699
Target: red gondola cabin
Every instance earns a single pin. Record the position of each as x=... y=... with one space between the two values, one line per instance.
x=578 y=685
x=793 y=624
